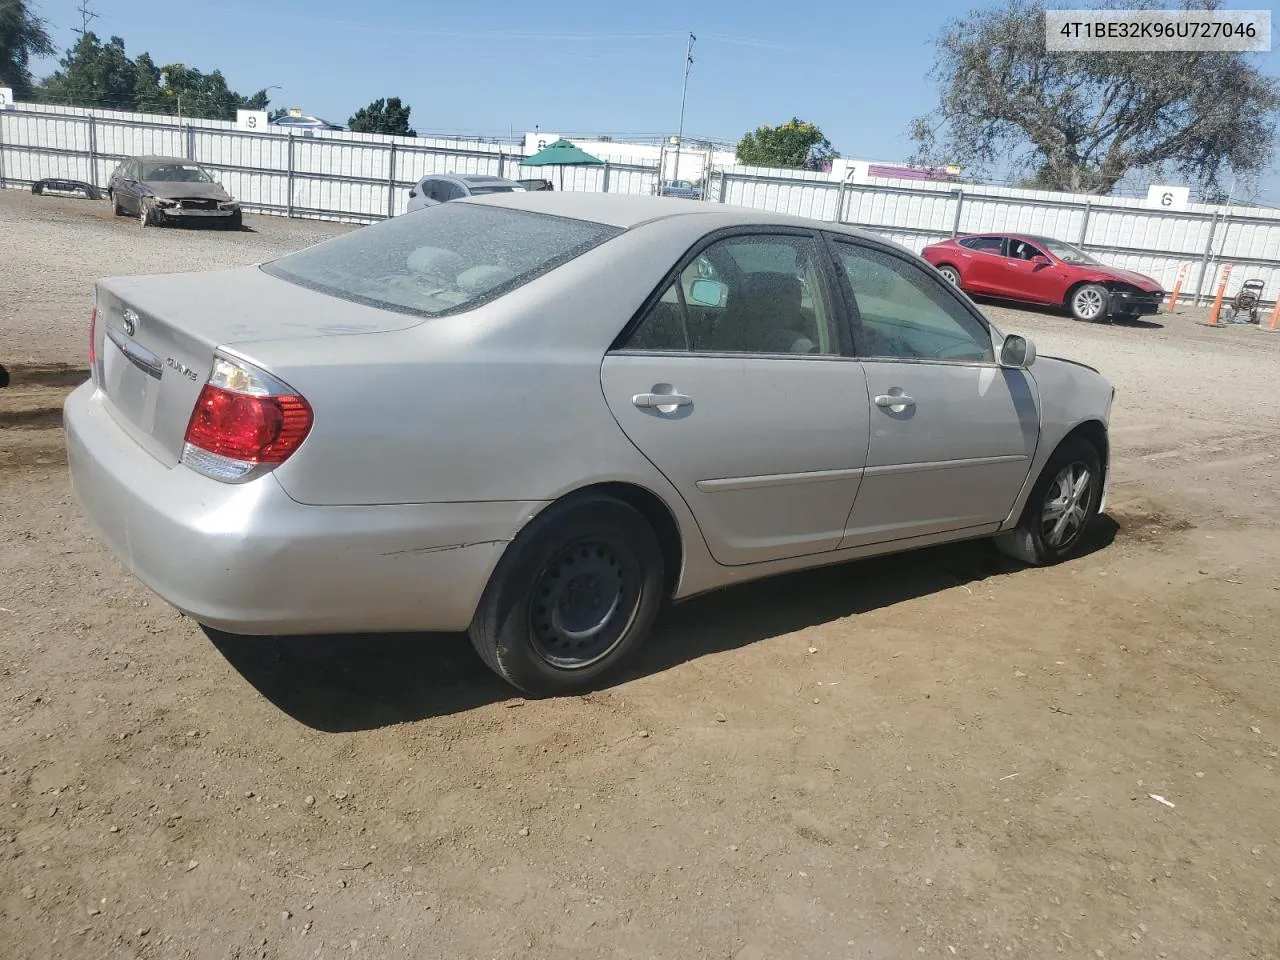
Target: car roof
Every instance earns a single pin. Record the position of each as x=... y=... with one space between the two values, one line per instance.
x=628 y=210
x=159 y=159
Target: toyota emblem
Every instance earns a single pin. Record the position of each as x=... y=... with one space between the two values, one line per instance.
x=130 y=322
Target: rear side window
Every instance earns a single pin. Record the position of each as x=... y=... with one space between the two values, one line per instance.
x=443 y=259
x=985 y=244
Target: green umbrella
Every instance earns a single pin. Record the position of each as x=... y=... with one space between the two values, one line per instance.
x=562 y=154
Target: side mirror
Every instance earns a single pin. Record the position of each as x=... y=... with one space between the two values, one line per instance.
x=1041 y=260
x=707 y=293
x=1017 y=352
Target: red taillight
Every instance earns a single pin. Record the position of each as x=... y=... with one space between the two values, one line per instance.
x=248 y=428
x=244 y=419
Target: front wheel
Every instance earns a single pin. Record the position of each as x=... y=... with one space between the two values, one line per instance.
x=574 y=595
x=235 y=221
x=1061 y=506
x=1090 y=302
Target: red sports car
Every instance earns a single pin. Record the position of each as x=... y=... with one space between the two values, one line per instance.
x=1015 y=266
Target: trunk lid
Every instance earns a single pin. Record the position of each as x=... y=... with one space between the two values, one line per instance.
x=156 y=335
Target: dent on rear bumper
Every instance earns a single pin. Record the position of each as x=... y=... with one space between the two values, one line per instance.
x=248 y=559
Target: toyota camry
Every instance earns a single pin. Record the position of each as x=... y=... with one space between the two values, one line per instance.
x=537 y=416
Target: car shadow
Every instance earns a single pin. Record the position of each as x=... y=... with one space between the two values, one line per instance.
x=1137 y=323
x=350 y=682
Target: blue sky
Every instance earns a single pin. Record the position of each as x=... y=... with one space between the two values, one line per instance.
x=856 y=70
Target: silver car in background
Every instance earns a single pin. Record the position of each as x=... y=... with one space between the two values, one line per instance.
x=536 y=416
x=443 y=187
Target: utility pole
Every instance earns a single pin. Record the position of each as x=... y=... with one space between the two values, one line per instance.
x=87 y=16
x=684 y=91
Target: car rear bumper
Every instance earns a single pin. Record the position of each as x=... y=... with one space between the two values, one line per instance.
x=248 y=559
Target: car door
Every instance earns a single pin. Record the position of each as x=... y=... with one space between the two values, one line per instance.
x=1031 y=280
x=952 y=433
x=126 y=186
x=736 y=382
x=983 y=270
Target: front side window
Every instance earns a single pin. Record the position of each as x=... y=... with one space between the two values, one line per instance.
x=1022 y=250
x=903 y=312
x=444 y=258
x=757 y=294
x=1068 y=253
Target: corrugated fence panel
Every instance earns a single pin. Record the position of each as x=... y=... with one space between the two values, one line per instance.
x=361 y=177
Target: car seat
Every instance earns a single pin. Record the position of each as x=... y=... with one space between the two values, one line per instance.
x=764 y=315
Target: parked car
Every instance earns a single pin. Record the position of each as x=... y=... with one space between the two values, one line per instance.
x=304 y=123
x=160 y=190
x=538 y=418
x=440 y=188
x=685 y=189
x=536 y=183
x=1015 y=266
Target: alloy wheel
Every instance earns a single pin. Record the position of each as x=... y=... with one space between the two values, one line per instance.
x=1066 y=505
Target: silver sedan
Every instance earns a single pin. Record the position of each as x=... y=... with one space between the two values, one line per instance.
x=537 y=416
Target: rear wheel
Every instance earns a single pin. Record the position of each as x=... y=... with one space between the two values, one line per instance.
x=950 y=274
x=573 y=596
x=1061 y=506
x=1090 y=302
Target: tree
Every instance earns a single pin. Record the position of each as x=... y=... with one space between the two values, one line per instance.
x=795 y=144
x=22 y=37
x=1085 y=120
x=383 y=116
x=92 y=74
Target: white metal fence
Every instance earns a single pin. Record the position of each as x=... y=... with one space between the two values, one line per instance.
x=363 y=177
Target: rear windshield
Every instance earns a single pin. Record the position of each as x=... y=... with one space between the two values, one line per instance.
x=445 y=258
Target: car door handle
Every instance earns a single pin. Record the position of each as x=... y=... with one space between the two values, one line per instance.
x=647 y=401
x=895 y=400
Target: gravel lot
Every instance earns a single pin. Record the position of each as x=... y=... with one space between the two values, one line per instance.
x=939 y=755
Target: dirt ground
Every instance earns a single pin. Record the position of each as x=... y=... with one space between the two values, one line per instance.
x=940 y=754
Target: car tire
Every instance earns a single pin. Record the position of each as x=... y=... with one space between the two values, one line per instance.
x=115 y=205
x=147 y=213
x=1090 y=302
x=950 y=274
x=1036 y=541
x=235 y=221
x=574 y=595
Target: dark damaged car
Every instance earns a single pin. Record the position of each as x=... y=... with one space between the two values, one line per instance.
x=160 y=190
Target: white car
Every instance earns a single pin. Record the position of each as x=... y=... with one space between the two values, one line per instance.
x=441 y=187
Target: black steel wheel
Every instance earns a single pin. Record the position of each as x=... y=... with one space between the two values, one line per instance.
x=573 y=596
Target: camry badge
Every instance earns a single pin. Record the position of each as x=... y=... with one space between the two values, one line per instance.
x=130 y=322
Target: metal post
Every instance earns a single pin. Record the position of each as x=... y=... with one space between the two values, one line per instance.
x=289 y=203
x=391 y=183
x=502 y=164
x=93 y=152
x=1204 y=261
x=1084 y=226
x=724 y=185
x=2 y=116
x=607 y=168
x=955 y=224
x=684 y=90
x=191 y=142
x=844 y=185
